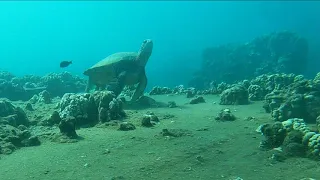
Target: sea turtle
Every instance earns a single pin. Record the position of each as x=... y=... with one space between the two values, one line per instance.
x=122 y=68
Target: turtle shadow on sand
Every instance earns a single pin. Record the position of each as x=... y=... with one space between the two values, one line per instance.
x=62 y=138
x=144 y=102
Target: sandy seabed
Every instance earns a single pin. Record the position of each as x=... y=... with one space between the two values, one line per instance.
x=213 y=150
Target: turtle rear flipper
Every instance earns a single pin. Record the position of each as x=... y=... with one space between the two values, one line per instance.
x=119 y=83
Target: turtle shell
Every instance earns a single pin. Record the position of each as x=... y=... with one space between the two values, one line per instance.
x=109 y=62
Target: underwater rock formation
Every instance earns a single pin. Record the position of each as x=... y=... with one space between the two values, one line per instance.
x=236 y=95
x=12 y=138
x=172 y=104
x=279 y=52
x=157 y=90
x=125 y=126
x=61 y=83
x=149 y=119
x=285 y=95
x=256 y=93
x=89 y=109
x=293 y=136
x=23 y=88
x=11 y=115
x=13 y=129
x=197 y=100
x=45 y=97
x=299 y=99
x=67 y=127
x=189 y=92
x=225 y=115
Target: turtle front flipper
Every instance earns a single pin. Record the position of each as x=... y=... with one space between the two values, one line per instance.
x=140 y=89
x=89 y=85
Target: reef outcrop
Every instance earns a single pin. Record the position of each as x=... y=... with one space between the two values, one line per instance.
x=278 y=52
x=90 y=109
x=23 y=88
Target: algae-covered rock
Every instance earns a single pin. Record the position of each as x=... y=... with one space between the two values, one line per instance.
x=236 y=95
x=9 y=114
x=293 y=136
x=89 y=109
x=149 y=120
x=256 y=93
x=274 y=135
x=157 y=90
x=197 y=100
x=125 y=126
x=45 y=97
x=24 y=87
x=292 y=144
x=225 y=115
x=12 y=138
x=67 y=127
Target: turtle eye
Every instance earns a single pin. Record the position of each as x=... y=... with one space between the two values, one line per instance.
x=145 y=41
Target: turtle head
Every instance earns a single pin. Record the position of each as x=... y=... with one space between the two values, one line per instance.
x=145 y=52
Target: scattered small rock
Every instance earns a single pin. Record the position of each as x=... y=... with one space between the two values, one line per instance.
x=250 y=118
x=149 y=120
x=146 y=122
x=168 y=116
x=200 y=158
x=203 y=129
x=106 y=151
x=172 y=104
x=197 y=100
x=125 y=126
x=225 y=115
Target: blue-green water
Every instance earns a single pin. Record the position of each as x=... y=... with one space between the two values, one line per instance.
x=36 y=36
x=204 y=130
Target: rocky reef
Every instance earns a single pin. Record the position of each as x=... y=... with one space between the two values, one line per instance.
x=191 y=91
x=14 y=131
x=293 y=137
x=11 y=115
x=72 y=111
x=23 y=88
x=296 y=97
x=89 y=109
x=285 y=95
x=235 y=95
x=266 y=69
x=278 y=52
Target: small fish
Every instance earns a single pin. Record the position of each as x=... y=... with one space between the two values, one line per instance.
x=64 y=64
